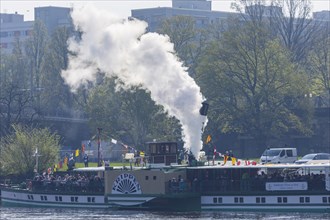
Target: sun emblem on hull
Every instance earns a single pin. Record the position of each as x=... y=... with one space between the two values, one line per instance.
x=126 y=184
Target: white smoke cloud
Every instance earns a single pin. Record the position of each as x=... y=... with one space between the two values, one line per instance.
x=122 y=48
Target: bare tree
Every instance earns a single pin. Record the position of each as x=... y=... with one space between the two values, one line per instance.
x=294 y=25
x=319 y=67
x=188 y=40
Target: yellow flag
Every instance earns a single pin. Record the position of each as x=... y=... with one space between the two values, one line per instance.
x=233 y=160
x=225 y=160
x=208 y=139
x=77 y=152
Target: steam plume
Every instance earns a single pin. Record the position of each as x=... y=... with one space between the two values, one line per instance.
x=122 y=48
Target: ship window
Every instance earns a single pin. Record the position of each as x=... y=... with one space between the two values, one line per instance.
x=301 y=199
x=307 y=200
x=241 y=200
x=324 y=199
x=147 y=177
x=154 y=178
x=215 y=200
x=88 y=199
x=258 y=200
x=285 y=200
x=220 y=200
x=279 y=199
x=72 y=199
x=236 y=200
x=263 y=200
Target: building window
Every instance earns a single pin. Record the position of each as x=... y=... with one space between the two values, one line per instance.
x=60 y=198
x=241 y=200
x=258 y=200
x=302 y=200
x=3 y=34
x=279 y=199
x=263 y=200
x=56 y=198
x=4 y=45
x=93 y=199
x=72 y=199
x=220 y=200
x=307 y=199
x=76 y=199
x=42 y=198
x=147 y=177
x=88 y=199
x=17 y=33
x=154 y=177
x=236 y=200
x=215 y=200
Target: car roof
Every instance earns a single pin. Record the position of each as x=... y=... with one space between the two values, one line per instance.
x=317 y=154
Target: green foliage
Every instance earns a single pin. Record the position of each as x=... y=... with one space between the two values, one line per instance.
x=56 y=97
x=17 y=150
x=130 y=116
x=248 y=78
x=188 y=39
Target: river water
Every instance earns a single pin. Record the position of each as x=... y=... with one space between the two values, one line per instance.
x=7 y=213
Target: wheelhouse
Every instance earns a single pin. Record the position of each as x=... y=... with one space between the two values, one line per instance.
x=163 y=152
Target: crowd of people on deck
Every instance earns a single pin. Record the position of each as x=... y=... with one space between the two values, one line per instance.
x=177 y=185
x=68 y=182
x=246 y=182
x=256 y=182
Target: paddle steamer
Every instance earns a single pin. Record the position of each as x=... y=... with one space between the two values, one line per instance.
x=164 y=184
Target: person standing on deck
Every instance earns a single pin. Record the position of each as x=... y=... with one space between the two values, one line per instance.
x=86 y=160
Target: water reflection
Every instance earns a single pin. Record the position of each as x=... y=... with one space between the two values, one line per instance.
x=86 y=214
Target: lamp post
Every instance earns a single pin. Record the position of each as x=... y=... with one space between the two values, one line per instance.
x=267 y=154
x=98 y=147
x=37 y=155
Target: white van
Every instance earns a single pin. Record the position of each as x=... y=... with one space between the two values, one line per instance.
x=279 y=155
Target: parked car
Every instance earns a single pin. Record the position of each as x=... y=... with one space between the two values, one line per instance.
x=317 y=156
x=279 y=155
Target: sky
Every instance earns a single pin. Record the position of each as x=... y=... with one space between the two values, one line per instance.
x=121 y=8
